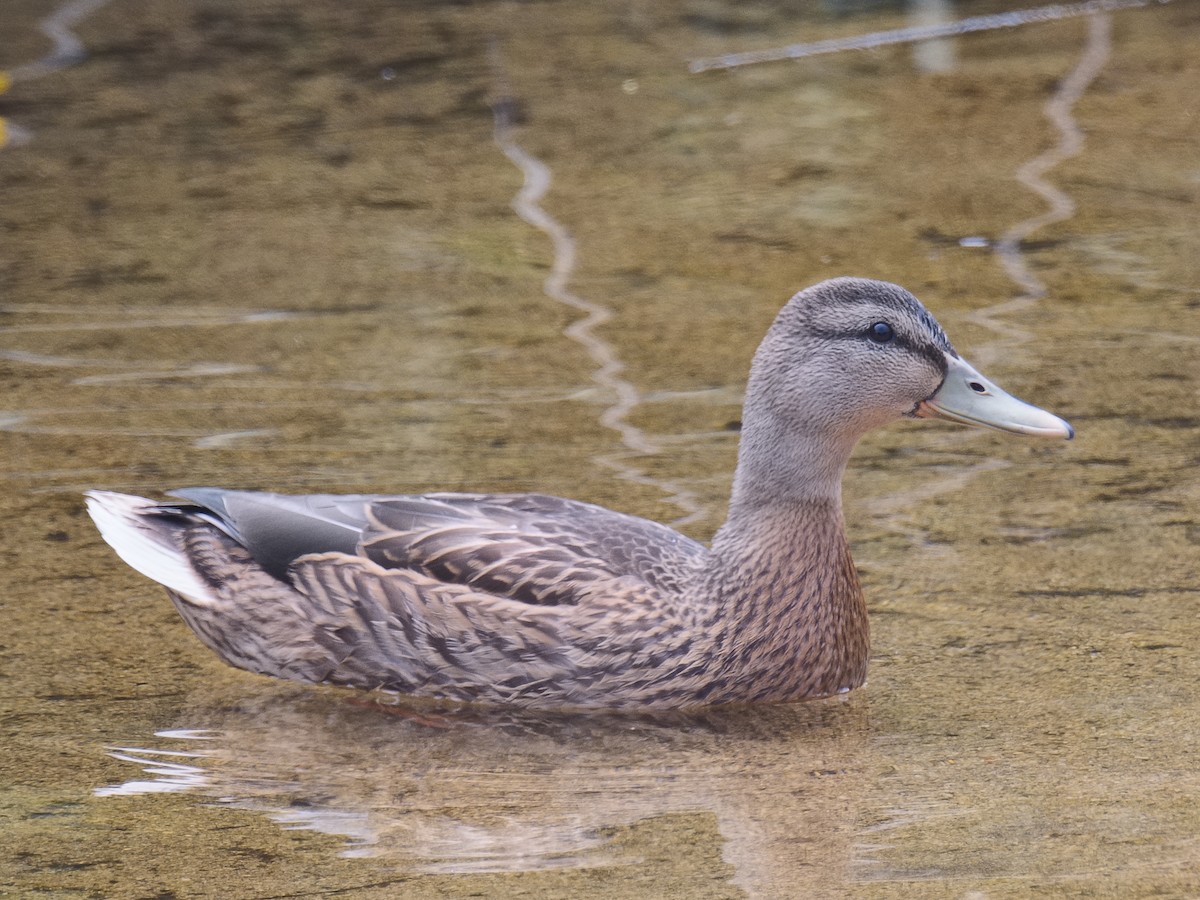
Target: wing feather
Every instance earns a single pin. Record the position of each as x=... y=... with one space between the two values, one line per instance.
x=528 y=547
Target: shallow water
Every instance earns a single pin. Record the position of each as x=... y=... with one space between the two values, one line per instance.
x=279 y=248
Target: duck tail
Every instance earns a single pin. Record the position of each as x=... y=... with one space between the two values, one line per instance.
x=146 y=537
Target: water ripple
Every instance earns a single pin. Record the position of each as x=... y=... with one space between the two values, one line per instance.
x=1058 y=110
x=526 y=204
x=998 y=317
x=67 y=51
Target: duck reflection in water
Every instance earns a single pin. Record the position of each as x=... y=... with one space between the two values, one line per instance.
x=765 y=796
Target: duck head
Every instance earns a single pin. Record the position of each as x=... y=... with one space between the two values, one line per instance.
x=851 y=354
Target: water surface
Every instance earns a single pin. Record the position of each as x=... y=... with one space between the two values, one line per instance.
x=278 y=248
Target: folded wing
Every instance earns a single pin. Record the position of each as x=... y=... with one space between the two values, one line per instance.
x=531 y=548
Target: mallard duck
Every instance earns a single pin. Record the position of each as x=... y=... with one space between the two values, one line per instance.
x=534 y=600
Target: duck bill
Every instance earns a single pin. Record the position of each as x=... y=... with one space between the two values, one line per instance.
x=967 y=397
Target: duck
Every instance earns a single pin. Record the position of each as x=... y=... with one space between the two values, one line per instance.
x=530 y=600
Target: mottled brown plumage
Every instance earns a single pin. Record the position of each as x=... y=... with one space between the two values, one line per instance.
x=535 y=600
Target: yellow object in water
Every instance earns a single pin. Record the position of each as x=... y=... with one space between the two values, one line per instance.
x=5 y=84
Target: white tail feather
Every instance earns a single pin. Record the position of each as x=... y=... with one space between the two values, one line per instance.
x=146 y=545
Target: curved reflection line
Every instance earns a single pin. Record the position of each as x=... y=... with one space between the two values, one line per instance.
x=167 y=775
x=1058 y=109
x=67 y=50
x=449 y=845
x=526 y=204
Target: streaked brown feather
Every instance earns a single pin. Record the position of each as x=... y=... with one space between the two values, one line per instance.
x=527 y=547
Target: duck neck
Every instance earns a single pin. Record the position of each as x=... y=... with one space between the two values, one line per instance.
x=781 y=460
x=782 y=576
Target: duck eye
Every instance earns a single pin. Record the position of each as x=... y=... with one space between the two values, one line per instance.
x=881 y=332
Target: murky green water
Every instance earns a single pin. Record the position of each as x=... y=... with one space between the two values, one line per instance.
x=272 y=245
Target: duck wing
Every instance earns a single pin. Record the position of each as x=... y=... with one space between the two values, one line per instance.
x=337 y=616
x=531 y=548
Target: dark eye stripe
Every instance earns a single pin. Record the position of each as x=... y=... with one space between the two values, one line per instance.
x=935 y=355
x=893 y=298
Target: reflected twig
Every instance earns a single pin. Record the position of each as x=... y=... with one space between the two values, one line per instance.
x=998 y=317
x=1050 y=13
x=67 y=51
x=527 y=205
